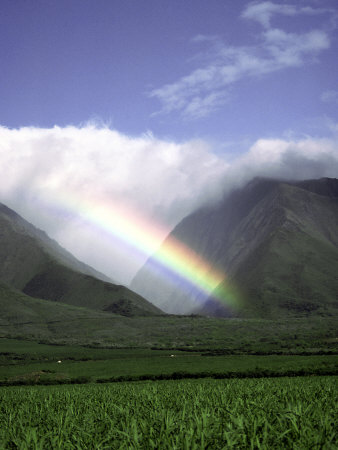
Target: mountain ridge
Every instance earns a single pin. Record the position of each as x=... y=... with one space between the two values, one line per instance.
x=22 y=226
x=237 y=234
x=39 y=267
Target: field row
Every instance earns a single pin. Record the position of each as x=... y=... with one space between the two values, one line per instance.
x=134 y=366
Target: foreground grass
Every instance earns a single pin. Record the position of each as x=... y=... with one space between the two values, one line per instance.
x=296 y=413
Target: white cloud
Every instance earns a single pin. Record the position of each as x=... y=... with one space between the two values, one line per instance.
x=160 y=180
x=262 y=12
x=291 y=50
x=287 y=159
x=206 y=88
x=292 y=159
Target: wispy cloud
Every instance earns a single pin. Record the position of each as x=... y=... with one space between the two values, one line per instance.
x=330 y=96
x=291 y=49
x=263 y=12
x=205 y=89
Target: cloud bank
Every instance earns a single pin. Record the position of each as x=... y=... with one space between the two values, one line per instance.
x=161 y=180
x=206 y=88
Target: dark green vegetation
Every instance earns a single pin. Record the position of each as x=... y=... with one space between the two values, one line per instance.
x=277 y=244
x=34 y=264
x=32 y=363
x=52 y=322
x=270 y=414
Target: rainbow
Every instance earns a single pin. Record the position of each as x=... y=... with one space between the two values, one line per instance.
x=144 y=236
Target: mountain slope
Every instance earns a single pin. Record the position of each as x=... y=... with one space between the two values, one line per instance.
x=36 y=265
x=292 y=266
x=30 y=319
x=276 y=243
x=18 y=309
x=24 y=317
x=58 y=283
x=20 y=240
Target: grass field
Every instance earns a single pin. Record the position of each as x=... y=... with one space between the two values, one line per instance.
x=175 y=413
x=109 y=330
x=298 y=413
x=23 y=361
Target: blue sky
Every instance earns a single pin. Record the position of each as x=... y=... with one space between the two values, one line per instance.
x=159 y=105
x=224 y=70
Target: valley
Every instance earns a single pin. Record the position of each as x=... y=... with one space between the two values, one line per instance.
x=271 y=322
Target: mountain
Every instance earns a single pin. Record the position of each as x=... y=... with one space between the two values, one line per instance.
x=39 y=267
x=28 y=318
x=25 y=314
x=276 y=242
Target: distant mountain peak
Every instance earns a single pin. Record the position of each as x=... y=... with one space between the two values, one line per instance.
x=324 y=186
x=276 y=242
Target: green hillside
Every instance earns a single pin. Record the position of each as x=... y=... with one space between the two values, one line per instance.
x=25 y=249
x=58 y=283
x=31 y=319
x=36 y=265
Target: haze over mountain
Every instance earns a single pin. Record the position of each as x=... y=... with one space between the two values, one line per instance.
x=37 y=266
x=276 y=243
